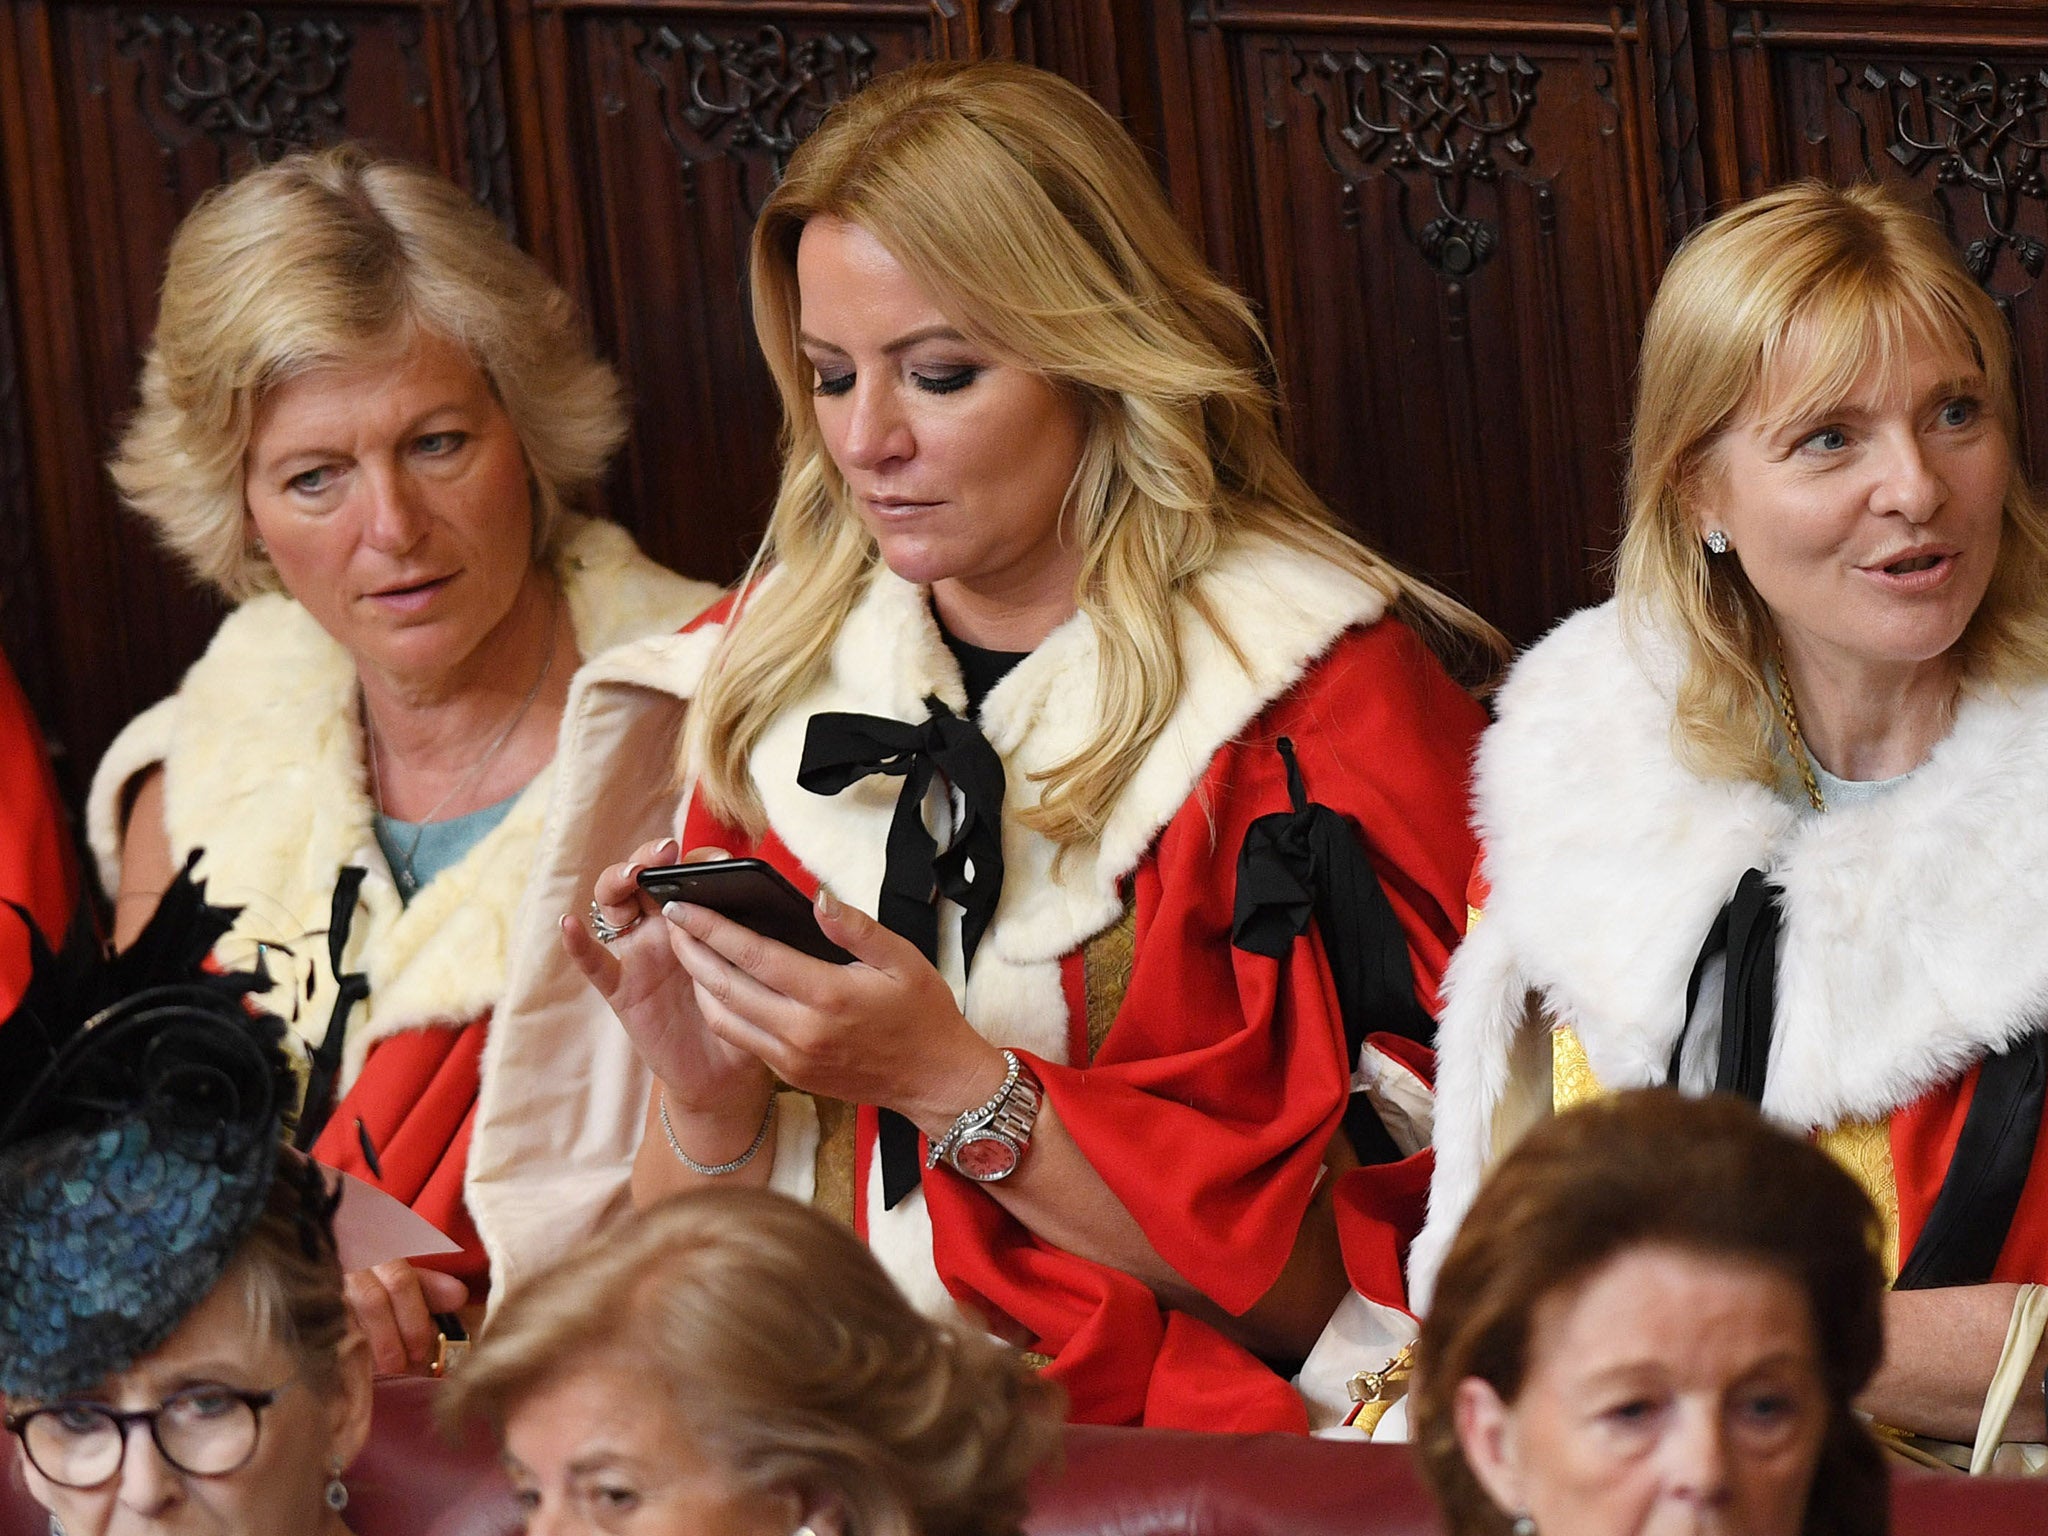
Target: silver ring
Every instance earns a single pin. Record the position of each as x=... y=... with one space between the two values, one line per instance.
x=605 y=930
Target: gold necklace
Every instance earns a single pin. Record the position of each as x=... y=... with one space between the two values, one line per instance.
x=1794 y=742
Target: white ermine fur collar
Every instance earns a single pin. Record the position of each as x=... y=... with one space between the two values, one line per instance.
x=1285 y=609
x=265 y=770
x=1911 y=943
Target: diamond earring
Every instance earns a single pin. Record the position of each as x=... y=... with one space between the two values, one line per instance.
x=1717 y=541
x=1524 y=1525
x=337 y=1491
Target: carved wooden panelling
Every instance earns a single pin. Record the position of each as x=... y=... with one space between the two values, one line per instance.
x=1453 y=238
x=1098 y=44
x=1963 y=130
x=681 y=122
x=139 y=110
x=169 y=103
x=1451 y=213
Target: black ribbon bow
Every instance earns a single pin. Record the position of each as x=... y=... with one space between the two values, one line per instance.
x=842 y=749
x=1746 y=930
x=1308 y=863
x=323 y=1075
x=1973 y=1211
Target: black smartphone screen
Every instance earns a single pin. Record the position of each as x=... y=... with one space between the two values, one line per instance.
x=753 y=894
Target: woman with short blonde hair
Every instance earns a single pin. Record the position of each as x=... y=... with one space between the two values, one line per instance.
x=1046 y=633
x=365 y=417
x=1770 y=821
x=759 y=1340
x=336 y=256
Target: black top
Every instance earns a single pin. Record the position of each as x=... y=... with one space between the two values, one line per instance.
x=980 y=668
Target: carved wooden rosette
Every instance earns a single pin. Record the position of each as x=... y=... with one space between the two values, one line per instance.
x=1433 y=124
x=243 y=82
x=749 y=97
x=1977 y=133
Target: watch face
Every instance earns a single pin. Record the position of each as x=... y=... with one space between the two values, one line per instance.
x=986 y=1158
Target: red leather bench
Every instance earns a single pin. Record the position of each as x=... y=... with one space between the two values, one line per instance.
x=1115 y=1482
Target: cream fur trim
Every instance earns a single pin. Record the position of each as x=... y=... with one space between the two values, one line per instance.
x=1911 y=941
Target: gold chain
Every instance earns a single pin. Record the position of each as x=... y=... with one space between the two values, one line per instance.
x=1796 y=743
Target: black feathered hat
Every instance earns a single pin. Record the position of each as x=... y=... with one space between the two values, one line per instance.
x=142 y=1101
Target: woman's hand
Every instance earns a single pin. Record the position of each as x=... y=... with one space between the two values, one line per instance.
x=394 y=1306
x=650 y=991
x=883 y=1030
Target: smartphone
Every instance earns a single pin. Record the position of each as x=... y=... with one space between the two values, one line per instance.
x=753 y=894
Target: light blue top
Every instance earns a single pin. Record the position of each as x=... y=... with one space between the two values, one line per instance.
x=1840 y=794
x=424 y=849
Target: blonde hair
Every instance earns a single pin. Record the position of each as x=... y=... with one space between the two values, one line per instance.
x=290 y=1272
x=338 y=258
x=790 y=1357
x=1853 y=277
x=1020 y=204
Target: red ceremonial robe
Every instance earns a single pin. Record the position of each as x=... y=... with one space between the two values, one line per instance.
x=1208 y=1103
x=1923 y=1140
x=1921 y=1136
x=35 y=854
x=414 y=1104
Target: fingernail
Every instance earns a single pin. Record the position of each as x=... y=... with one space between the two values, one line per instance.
x=828 y=904
x=633 y=871
x=673 y=911
x=670 y=851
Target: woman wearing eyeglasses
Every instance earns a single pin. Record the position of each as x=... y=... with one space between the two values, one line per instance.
x=175 y=1349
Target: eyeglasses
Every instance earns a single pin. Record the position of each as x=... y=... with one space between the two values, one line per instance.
x=206 y=1431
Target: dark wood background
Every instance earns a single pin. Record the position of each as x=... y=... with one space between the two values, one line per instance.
x=1452 y=216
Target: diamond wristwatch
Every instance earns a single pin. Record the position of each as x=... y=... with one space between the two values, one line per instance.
x=988 y=1142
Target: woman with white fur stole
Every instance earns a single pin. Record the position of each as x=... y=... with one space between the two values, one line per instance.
x=1774 y=821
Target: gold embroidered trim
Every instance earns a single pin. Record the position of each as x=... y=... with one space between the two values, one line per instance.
x=1572 y=1080
x=1106 y=962
x=834 y=1165
x=1864 y=1149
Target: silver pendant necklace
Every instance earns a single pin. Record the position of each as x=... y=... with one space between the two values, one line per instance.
x=402 y=872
